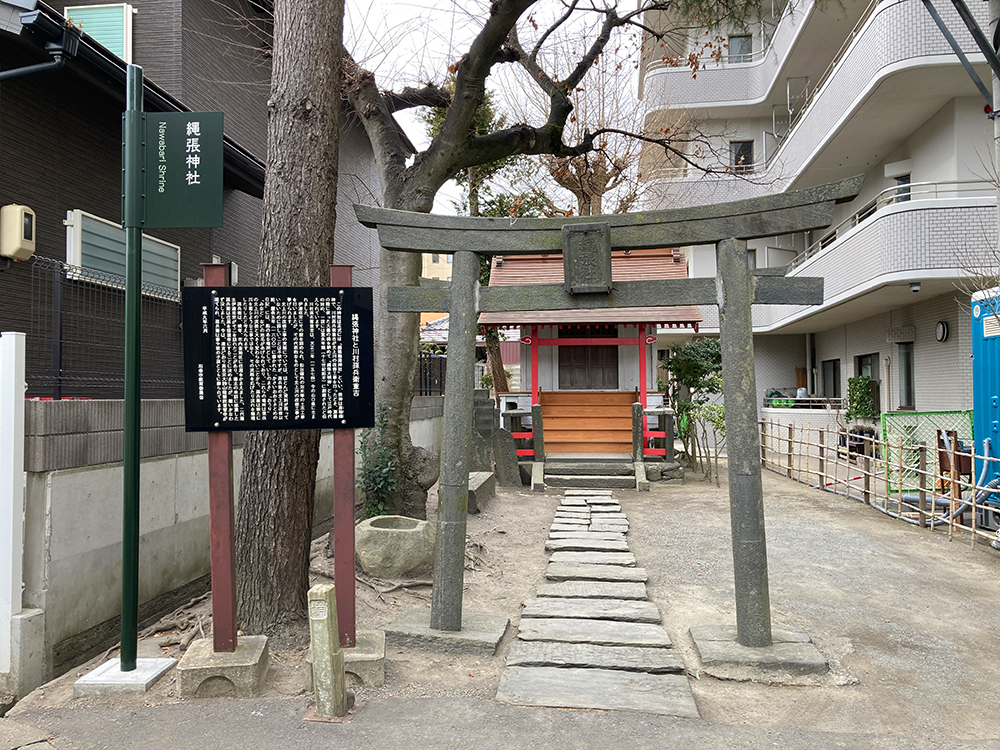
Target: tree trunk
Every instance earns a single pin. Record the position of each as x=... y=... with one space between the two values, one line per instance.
x=278 y=482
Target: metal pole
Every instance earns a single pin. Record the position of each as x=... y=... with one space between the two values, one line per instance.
x=746 y=494
x=221 y=515
x=343 y=510
x=453 y=497
x=132 y=178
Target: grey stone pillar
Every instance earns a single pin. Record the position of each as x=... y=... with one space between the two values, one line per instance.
x=453 y=494
x=746 y=495
x=637 y=431
x=537 y=432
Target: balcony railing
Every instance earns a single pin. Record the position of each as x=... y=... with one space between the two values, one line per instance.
x=891 y=196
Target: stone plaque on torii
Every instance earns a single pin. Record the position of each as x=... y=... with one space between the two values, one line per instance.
x=587 y=243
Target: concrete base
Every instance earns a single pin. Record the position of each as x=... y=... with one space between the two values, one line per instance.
x=366 y=660
x=27 y=654
x=790 y=657
x=206 y=673
x=641 y=481
x=108 y=678
x=480 y=634
x=538 y=476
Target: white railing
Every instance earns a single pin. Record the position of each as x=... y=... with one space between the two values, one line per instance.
x=916 y=191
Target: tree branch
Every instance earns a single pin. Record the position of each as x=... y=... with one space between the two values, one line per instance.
x=429 y=96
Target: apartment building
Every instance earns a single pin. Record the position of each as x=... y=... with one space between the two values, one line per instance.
x=809 y=94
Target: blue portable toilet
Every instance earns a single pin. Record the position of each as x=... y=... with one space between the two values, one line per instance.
x=986 y=388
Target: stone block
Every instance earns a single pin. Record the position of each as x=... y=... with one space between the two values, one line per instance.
x=389 y=546
x=589 y=656
x=366 y=659
x=586 y=545
x=592 y=609
x=482 y=489
x=626 y=559
x=479 y=453
x=538 y=476
x=206 y=673
x=790 y=657
x=480 y=634
x=594 y=590
x=598 y=632
x=572 y=571
x=505 y=456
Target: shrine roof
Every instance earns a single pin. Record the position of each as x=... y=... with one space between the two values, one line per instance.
x=634 y=265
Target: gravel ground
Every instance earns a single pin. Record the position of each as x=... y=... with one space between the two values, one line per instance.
x=907 y=618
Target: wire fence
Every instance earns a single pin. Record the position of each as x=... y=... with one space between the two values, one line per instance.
x=76 y=342
x=946 y=494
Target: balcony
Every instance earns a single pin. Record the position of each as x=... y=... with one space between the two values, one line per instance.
x=878 y=89
x=934 y=234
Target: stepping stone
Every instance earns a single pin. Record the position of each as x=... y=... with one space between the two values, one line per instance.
x=576 y=502
x=594 y=590
x=609 y=516
x=564 y=514
x=587 y=493
x=606 y=509
x=598 y=632
x=584 y=509
x=575 y=527
x=589 y=656
x=582 y=522
x=586 y=545
x=621 y=529
x=586 y=534
x=571 y=572
x=592 y=609
x=594 y=558
x=601 y=501
x=665 y=694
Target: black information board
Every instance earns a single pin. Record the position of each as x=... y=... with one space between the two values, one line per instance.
x=278 y=358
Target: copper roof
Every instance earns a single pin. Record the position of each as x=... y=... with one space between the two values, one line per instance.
x=634 y=265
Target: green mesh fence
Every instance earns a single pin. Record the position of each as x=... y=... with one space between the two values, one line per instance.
x=912 y=428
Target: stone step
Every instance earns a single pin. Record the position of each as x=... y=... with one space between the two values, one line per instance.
x=621 y=528
x=561 y=481
x=665 y=694
x=589 y=469
x=574 y=502
x=594 y=558
x=587 y=534
x=575 y=572
x=594 y=590
x=592 y=609
x=556 y=527
x=589 y=656
x=598 y=632
x=587 y=493
x=586 y=545
x=599 y=510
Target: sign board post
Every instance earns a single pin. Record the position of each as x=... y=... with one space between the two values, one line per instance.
x=343 y=510
x=221 y=515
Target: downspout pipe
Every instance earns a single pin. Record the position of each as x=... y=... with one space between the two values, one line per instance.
x=61 y=50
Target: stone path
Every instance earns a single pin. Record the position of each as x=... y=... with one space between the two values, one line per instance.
x=592 y=638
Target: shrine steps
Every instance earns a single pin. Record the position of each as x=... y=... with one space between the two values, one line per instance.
x=582 y=473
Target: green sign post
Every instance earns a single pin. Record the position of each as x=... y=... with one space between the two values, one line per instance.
x=182 y=156
x=183 y=169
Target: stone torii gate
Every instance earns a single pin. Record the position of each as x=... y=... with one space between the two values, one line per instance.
x=586 y=244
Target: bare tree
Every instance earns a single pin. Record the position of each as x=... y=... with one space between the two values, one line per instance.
x=511 y=32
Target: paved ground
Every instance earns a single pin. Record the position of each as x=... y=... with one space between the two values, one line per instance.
x=908 y=619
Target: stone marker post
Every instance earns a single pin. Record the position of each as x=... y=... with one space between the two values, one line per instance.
x=329 y=682
x=746 y=494
x=453 y=495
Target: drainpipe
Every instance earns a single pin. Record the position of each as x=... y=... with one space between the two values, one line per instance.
x=61 y=50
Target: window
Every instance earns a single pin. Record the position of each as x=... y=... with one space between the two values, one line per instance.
x=906 y=394
x=866 y=364
x=831 y=378
x=740 y=49
x=741 y=156
x=98 y=245
x=752 y=258
x=903 y=188
x=449 y=257
x=108 y=25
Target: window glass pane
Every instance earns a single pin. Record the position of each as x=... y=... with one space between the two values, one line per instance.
x=903 y=188
x=741 y=156
x=740 y=48
x=831 y=378
x=906 y=395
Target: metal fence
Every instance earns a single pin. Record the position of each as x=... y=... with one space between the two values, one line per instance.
x=431 y=374
x=76 y=342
